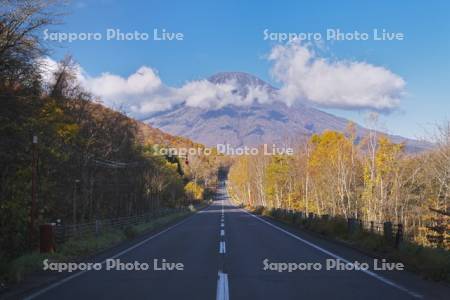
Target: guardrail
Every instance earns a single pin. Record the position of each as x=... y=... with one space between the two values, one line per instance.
x=63 y=232
x=393 y=233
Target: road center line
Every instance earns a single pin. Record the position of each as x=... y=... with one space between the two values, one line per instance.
x=222 y=249
x=222 y=287
x=222 y=232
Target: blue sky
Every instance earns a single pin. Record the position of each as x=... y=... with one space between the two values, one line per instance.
x=228 y=36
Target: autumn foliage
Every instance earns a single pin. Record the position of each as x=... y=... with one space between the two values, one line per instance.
x=371 y=180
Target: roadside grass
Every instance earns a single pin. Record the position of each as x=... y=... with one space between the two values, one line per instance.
x=82 y=247
x=89 y=244
x=14 y=271
x=431 y=263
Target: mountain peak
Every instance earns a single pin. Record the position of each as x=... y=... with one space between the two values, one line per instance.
x=241 y=79
x=255 y=124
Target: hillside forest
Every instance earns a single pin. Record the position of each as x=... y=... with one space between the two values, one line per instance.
x=65 y=157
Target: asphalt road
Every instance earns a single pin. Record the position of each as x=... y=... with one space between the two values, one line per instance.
x=223 y=249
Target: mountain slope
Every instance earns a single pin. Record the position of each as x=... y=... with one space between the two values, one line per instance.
x=255 y=124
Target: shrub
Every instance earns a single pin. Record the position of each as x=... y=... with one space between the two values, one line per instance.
x=130 y=232
x=433 y=263
x=79 y=247
x=194 y=191
x=258 y=210
x=23 y=265
x=267 y=212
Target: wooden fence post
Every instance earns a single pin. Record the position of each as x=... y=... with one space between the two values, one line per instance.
x=399 y=235
x=97 y=228
x=387 y=231
x=351 y=225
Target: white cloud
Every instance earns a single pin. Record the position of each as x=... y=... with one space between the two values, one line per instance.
x=131 y=93
x=143 y=82
x=206 y=94
x=339 y=84
x=49 y=66
x=304 y=76
x=143 y=92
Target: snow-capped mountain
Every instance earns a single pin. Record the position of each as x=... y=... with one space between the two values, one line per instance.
x=255 y=124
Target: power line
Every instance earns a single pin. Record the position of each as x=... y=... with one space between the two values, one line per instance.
x=115 y=164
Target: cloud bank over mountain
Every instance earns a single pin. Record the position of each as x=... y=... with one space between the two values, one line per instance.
x=302 y=74
x=143 y=92
x=336 y=84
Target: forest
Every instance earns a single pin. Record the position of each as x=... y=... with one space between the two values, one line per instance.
x=67 y=158
x=373 y=180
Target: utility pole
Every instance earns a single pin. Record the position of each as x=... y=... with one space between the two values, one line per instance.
x=74 y=201
x=33 y=189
